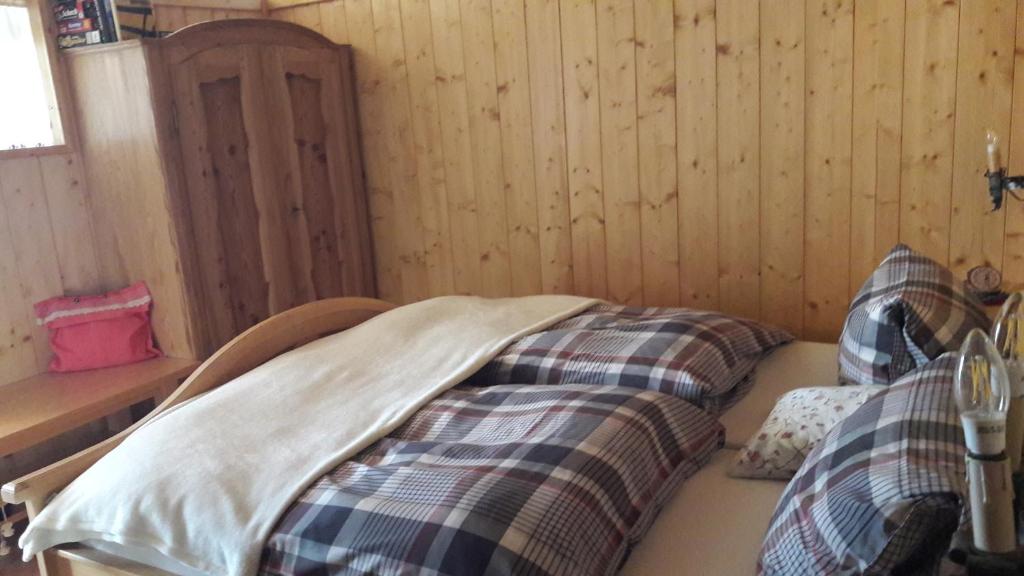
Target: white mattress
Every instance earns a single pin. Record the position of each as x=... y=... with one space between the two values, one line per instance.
x=797 y=365
x=714 y=524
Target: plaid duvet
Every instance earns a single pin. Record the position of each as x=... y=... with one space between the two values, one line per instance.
x=699 y=356
x=500 y=480
x=883 y=492
x=909 y=311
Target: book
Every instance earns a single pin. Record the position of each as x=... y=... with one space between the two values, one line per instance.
x=105 y=16
x=65 y=10
x=65 y=41
x=80 y=25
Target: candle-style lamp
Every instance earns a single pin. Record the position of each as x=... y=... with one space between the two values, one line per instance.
x=1008 y=334
x=998 y=182
x=983 y=399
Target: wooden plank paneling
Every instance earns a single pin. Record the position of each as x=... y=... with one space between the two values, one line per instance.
x=697 y=152
x=194 y=15
x=983 y=98
x=1013 y=254
x=307 y=15
x=452 y=99
x=739 y=157
x=656 y=133
x=172 y=17
x=429 y=143
x=485 y=133
x=544 y=49
x=67 y=201
x=782 y=164
x=516 y=121
x=334 y=21
x=877 y=114
x=616 y=63
x=929 y=105
x=399 y=149
x=47 y=249
x=583 y=147
x=918 y=114
x=829 y=121
x=230 y=5
x=17 y=350
x=763 y=167
x=372 y=117
x=169 y=18
x=31 y=238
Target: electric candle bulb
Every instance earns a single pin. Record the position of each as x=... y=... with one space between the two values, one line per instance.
x=993 y=152
x=982 y=394
x=1009 y=340
x=983 y=397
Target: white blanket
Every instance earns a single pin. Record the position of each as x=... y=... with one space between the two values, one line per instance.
x=204 y=483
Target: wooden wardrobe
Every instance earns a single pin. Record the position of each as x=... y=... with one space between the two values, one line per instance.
x=224 y=169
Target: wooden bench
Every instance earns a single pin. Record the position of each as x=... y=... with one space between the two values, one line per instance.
x=41 y=407
x=44 y=406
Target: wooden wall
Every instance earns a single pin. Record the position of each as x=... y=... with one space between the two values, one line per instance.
x=753 y=157
x=170 y=18
x=713 y=154
x=46 y=249
x=47 y=244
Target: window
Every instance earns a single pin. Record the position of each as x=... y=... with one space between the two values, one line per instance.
x=28 y=110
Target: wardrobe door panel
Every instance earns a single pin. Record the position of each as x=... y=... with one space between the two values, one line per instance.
x=282 y=225
x=228 y=147
x=215 y=158
x=310 y=138
x=330 y=187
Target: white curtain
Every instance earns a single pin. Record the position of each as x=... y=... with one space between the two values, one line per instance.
x=24 y=107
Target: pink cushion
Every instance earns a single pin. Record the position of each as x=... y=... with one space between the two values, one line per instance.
x=88 y=332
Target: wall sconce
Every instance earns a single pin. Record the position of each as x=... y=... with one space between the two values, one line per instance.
x=998 y=181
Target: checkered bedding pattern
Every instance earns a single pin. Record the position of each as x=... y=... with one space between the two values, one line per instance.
x=909 y=311
x=883 y=492
x=699 y=356
x=500 y=480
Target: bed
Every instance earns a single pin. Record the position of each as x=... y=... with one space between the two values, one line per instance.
x=696 y=521
x=715 y=524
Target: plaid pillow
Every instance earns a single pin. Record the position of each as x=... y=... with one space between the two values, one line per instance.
x=910 y=311
x=883 y=492
x=702 y=357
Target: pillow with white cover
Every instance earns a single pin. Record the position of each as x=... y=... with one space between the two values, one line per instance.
x=800 y=419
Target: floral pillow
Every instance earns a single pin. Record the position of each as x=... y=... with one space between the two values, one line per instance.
x=800 y=419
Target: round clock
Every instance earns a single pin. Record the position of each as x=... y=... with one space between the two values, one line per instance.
x=984 y=279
